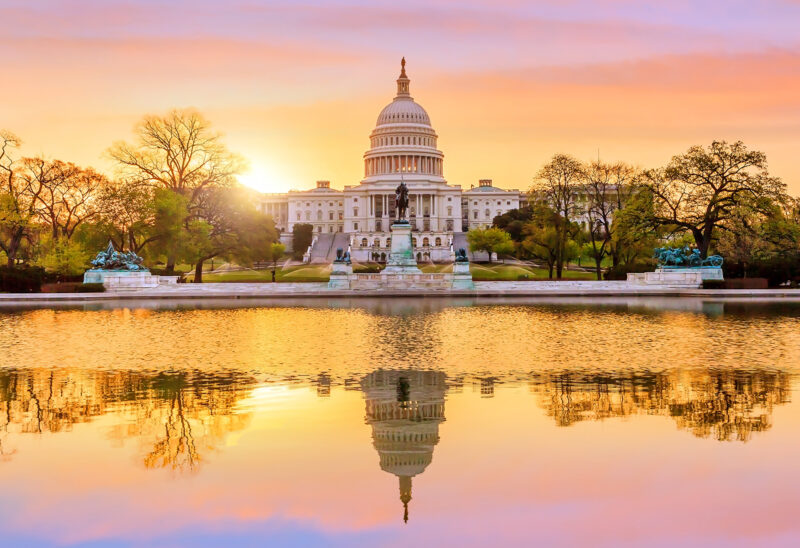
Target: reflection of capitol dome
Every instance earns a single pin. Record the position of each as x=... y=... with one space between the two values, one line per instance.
x=404 y=409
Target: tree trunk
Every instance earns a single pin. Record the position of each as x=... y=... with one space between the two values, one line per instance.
x=273 y=274
x=198 y=271
x=597 y=262
x=550 y=270
x=489 y=252
x=170 y=268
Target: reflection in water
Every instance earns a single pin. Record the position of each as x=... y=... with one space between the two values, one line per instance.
x=176 y=414
x=724 y=404
x=404 y=409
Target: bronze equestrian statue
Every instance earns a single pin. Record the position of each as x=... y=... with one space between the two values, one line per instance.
x=401 y=201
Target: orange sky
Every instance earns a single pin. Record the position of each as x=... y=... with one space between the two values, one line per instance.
x=296 y=86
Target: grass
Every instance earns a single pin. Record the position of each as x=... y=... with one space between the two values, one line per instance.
x=321 y=273
x=504 y=272
x=300 y=273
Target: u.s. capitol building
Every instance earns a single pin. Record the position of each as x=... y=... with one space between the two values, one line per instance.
x=403 y=146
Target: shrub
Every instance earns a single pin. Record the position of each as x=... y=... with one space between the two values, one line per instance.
x=21 y=279
x=89 y=288
x=367 y=268
x=776 y=270
x=620 y=272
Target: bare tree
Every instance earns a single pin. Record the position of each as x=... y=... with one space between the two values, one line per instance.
x=179 y=152
x=63 y=193
x=607 y=187
x=699 y=191
x=557 y=183
x=17 y=202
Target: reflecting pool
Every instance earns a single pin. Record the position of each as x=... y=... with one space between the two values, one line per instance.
x=396 y=422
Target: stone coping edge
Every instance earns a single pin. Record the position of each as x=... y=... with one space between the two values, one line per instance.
x=45 y=298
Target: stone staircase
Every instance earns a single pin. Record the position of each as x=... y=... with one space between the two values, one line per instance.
x=324 y=249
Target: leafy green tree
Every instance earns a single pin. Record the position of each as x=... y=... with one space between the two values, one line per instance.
x=302 y=235
x=64 y=257
x=490 y=240
x=699 y=191
x=513 y=222
x=558 y=183
x=544 y=241
x=236 y=230
x=274 y=254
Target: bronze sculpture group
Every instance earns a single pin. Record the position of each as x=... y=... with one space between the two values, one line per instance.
x=685 y=257
x=117 y=260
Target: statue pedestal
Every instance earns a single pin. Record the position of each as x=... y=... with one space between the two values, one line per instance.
x=340 y=275
x=121 y=279
x=401 y=257
x=462 y=279
x=706 y=272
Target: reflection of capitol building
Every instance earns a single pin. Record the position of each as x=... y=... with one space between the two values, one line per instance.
x=403 y=146
x=404 y=409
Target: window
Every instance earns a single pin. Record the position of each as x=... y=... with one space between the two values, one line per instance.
x=474 y=203
x=330 y=215
x=308 y=204
x=498 y=202
x=388 y=242
x=413 y=242
x=355 y=212
x=508 y=202
x=449 y=198
x=341 y=215
x=298 y=215
x=449 y=211
x=319 y=229
x=475 y=214
x=486 y=213
x=438 y=242
x=355 y=200
x=355 y=226
x=330 y=228
x=319 y=215
x=363 y=242
x=308 y=215
x=376 y=242
x=425 y=242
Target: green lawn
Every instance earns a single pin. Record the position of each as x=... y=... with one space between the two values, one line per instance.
x=321 y=273
x=503 y=272
x=301 y=273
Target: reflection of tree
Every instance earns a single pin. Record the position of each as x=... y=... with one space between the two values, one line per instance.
x=724 y=404
x=177 y=415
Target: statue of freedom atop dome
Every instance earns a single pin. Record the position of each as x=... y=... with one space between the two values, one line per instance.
x=401 y=200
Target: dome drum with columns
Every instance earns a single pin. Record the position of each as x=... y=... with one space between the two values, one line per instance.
x=403 y=147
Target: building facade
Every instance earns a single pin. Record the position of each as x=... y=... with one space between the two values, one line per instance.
x=403 y=147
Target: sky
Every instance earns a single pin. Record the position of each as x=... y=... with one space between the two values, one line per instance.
x=295 y=86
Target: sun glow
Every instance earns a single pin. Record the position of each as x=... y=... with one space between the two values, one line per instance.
x=264 y=178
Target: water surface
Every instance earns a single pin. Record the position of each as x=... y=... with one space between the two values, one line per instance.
x=620 y=422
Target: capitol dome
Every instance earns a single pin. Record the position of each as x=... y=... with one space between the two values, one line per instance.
x=403 y=141
x=403 y=110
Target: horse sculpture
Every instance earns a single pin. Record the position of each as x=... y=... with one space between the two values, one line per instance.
x=684 y=257
x=401 y=200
